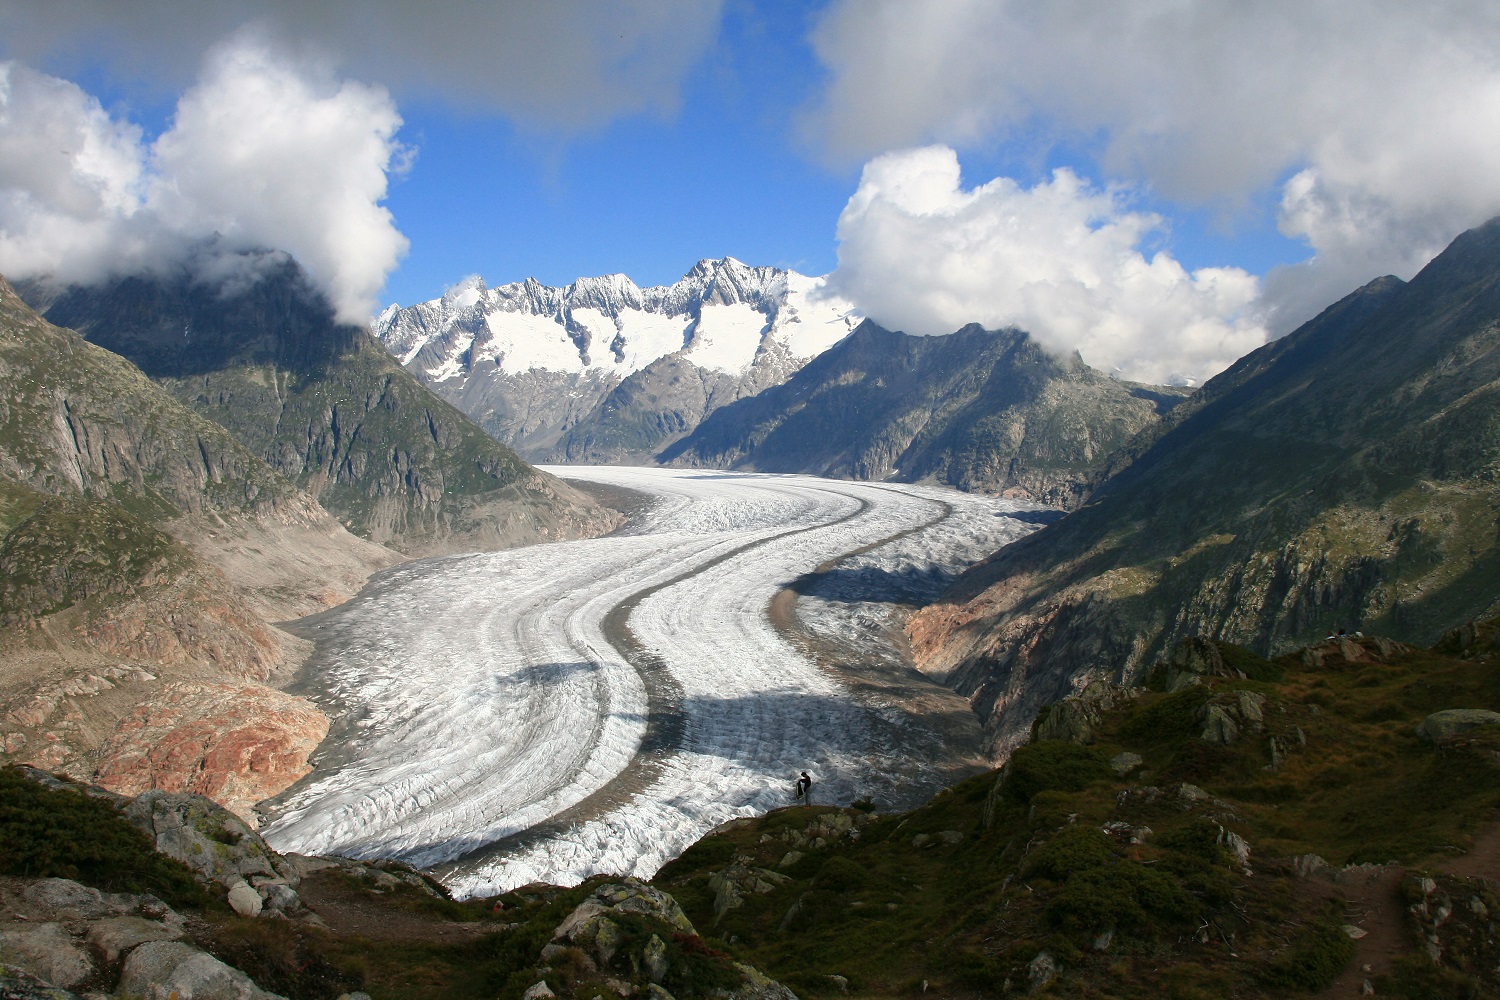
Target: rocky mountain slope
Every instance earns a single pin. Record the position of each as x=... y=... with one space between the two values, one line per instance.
x=145 y=553
x=324 y=405
x=1344 y=476
x=604 y=371
x=1318 y=824
x=978 y=409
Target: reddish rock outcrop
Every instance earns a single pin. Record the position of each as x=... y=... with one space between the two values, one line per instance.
x=234 y=743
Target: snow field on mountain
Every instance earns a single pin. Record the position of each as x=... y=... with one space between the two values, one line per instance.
x=726 y=338
x=719 y=315
x=483 y=700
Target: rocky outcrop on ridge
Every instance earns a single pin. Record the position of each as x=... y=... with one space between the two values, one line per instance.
x=1342 y=477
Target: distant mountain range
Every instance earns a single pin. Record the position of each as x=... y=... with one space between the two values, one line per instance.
x=604 y=371
x=760 y=369
x=1345 y=476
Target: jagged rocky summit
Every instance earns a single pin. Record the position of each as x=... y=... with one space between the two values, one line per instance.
x=1344 y=476
x=605 y=371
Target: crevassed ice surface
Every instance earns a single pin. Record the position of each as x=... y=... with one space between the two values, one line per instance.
x=550 y=712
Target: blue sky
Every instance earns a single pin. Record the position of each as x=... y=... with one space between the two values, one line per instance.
x=647 y=195
x=1161 y=187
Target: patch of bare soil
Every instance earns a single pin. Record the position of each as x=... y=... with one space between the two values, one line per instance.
x=631 y=503
x=349 y=909
x=1374 y=904
x=1482 y=860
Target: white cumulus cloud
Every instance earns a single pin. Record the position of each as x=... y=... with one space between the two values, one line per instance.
x=262 y=152
x=1061 y=260
x=1370 y=122
x=71 y=178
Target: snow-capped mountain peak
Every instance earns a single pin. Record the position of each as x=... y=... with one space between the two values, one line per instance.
x=531 y=361
x=720 y=315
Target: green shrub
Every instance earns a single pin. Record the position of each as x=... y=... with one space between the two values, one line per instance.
x=1072 y=849
x=840 y=875
x=1054 y=765
x=1199 y=839
x=1417 y=977
x=1101 y=889
x=1315 y=961
x=63 y=833
x=1172 y=718
x=1197 y=761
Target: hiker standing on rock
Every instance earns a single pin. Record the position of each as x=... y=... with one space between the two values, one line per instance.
x=804 y=787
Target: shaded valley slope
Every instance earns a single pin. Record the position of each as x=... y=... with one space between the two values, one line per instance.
x=145 y=553
x=326 y=406
x=981 y=410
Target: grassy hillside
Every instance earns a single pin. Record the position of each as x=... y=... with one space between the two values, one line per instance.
x=1114 y=854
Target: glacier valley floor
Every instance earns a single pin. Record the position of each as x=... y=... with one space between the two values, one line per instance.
x=554 y=711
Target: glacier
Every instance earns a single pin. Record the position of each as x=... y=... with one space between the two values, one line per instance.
x=555 y=711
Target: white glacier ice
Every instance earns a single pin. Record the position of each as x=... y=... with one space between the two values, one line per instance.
x=546 y=713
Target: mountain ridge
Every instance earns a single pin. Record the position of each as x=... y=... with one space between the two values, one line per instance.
x=327 y=407
x=603 y=370
x=979 y=410
x=1343 y=476
x=145 y=553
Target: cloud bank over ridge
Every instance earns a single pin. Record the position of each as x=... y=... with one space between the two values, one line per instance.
x=273 y=144
x=1370 y=125
x=1061 y=260
x=261 y=153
